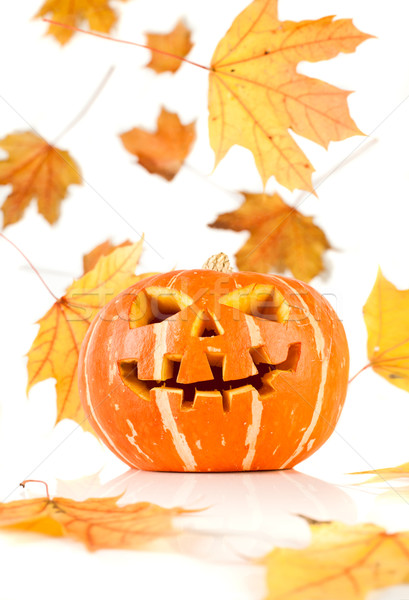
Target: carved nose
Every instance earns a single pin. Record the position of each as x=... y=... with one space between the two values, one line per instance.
x=206 y=325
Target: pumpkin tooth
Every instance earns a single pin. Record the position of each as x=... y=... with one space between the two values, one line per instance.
x=204 y=398
x=229 y=396
x=203 y=370
x=216 y=387
x=172 y=390
x=128 y=371
x=259 y=355
x=238 y=366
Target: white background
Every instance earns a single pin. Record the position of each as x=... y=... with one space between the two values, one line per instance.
x=362 y=207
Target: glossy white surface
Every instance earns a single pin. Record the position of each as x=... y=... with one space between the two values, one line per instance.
x=245 y=516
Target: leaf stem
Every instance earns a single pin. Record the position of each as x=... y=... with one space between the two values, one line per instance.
x=23 y=484
x=113 y=39
x=30 y=265
x=360 y=371
x=87 y=106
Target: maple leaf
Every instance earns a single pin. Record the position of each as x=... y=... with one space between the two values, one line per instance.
x=54 y=352
x=399 y=495
x=342 y=561
x=164 y=151
x=280 y=237
x=386 y=315
x=38 y=170
x=90 y=259
x=256 y=94
x=98 y=13
x=97 y=522
x=176 y=42
x=386 y=474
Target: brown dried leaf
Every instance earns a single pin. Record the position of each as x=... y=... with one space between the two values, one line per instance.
x=280 y=237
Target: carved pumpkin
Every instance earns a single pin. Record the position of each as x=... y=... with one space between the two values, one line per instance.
x=212 y=371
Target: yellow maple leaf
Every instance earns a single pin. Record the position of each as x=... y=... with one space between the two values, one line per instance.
x=387 y=474
x=164 y=151
x=96 y=522
x=176 y=42
x=386 y=315
x=54 y=352
x=256 y=94
x=90 y=259
x=394 y=496
x=98 y=13
x=342 y=562
x=38 y=170
x=280 y=237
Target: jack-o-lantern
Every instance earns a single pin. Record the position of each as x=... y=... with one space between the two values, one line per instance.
x=206 y=370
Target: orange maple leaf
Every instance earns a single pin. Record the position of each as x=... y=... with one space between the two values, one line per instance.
x=256 y=95
x=38 y=170
x=96 y=522
x=164 y=151
x=55 y=350
x=280 y=237
x=90 y=259
x=98 y=13
x=342 y=561
x=176 y=42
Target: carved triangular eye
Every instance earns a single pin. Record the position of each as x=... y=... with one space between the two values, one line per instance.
x=206 y=325
x=258 y=300
x=156 y=304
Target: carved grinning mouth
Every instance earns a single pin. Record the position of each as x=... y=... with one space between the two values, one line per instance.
x=261 y=382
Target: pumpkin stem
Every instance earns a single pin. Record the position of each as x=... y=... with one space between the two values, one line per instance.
x=218 y=262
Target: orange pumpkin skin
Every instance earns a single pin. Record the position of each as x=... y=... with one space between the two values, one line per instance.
x=246 y=372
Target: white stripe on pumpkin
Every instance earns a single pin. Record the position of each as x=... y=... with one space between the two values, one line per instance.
x=160 y=331
x=88 y=399
x=131 y=440
x=169 y=424
x=174 y=279
x=253 y=430
x=254 y=332
x=255 y=338
x=320 y=346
